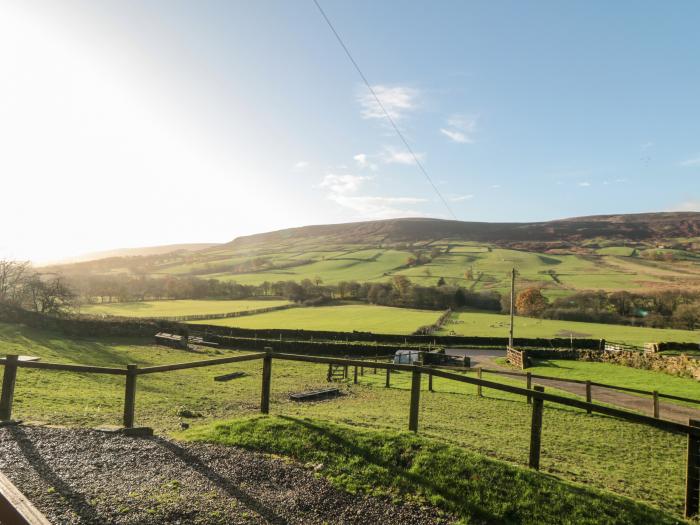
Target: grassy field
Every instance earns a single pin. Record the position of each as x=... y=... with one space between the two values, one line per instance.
x=177 y=307
x=628 y=459
x=365 y=318
x=409 y=467
x=485 y=324
x=617 y=375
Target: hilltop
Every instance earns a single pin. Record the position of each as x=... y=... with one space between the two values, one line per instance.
x=610 y=252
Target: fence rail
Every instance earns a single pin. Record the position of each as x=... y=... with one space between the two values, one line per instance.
x=15 y=508
x=537 y=396
x=518 y=358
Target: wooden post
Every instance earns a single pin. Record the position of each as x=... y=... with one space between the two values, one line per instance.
x=345 y=370
x=375 y=360
x=330 y=372
x=415 y=401
x=529 y=387
x=9 y=378
x=430 y=381
x=362 y=371
x=266 y=381
x=512 y=307
x=656 y=404
x=536 y=430
x=589 y=394
x=478 y=387
x=692 y=477
x=130 y=396
x=388 y=377
x=354 y=375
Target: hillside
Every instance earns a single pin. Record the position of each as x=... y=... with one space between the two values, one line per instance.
x=612 y=252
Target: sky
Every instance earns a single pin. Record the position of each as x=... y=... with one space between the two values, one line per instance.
x=141 y=123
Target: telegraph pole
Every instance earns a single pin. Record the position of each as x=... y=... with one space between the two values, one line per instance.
x=512 y=306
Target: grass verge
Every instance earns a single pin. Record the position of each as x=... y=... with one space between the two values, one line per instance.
x=404 y=466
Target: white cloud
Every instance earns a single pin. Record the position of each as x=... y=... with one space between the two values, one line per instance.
x=301 y=165
x=460 y=129
x=690 y=163
x=584 y=184
x=396 y=100
x=394 y=156
x=343 y=189
x=647 y=145
x=343 y=184
x=495 y=186
x=459 y=198
x=379 y=207
x=361 y=159
x=690 y=205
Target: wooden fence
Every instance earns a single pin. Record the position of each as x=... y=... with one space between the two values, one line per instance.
x=517 y=358
x=15 y=508
x=536 y=395
x=611 y=346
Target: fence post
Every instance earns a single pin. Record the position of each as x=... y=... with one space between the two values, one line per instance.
x=362 y=371
x=130 y=395
x=529 y=387
x=345 y=370
x=692 y=478
x=375 y=364
x=330 y=372
x=266 y=381
x=388 y=377
x=478 y=387
x=354 y=375
x=9 y=378
x=430 y=381
x=415 y=401
x=536 y=430
x=589 y=394
x=656 y=404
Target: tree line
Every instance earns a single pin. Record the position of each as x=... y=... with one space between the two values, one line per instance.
x=662 y=309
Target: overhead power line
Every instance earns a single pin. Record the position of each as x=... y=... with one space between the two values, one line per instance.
x=386 y=113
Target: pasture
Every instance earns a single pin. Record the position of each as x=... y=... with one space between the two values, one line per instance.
x=496 y=425
x=177 y=307
x=496 y=325
x=345 y=318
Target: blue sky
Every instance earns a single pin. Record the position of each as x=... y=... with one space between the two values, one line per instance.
x=159 y=122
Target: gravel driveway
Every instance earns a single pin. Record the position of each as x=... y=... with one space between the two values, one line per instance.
x=87 y=476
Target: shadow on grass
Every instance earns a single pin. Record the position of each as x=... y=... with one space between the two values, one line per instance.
x=369 y=455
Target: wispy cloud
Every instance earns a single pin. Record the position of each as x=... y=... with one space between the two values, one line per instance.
x=396 y=100
x=460 y=129
x=344 y=191
x=459 y=198
x=363 y=161
x=301 y=165
x=343 y=184
x=690 y=205
x=690 y=163
x=495 y=186
x=394 y=156
x=584 y=184
x=647 y=145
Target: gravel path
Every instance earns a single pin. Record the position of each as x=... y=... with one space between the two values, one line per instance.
x=91 y=477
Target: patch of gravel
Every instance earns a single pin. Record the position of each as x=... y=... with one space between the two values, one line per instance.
x=90 y=477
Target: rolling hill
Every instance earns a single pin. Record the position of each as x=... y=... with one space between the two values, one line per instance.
x=608 y=252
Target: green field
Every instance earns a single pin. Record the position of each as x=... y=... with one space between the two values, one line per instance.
x=364 y=318
x=595 y=450
x=177 y=307
x=612 y=374
x=404 y=466
x=496 y=325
